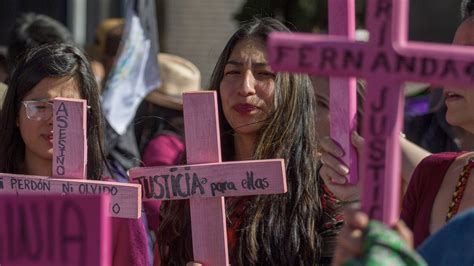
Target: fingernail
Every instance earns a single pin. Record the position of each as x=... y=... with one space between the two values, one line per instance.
x=334 y=181
x=345 y=169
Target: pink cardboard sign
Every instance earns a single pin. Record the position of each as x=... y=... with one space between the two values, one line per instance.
x=125 y=199
x=386 y=62
x=69 y=138
x=207 y=180
x=40 y=230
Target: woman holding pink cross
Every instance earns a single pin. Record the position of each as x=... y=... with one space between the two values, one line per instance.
x=263 y=115
x=26 y=138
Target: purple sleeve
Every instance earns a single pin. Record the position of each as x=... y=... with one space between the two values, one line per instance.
x=163 y=150
x=129 y=242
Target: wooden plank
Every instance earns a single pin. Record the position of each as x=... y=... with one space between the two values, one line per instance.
x=37 y=230
x=203 y=145
x=229 y=179
x=125 y=199
x=70 y=138
x=343 y=91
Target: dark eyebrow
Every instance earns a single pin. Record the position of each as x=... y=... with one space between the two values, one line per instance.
x=256 y=64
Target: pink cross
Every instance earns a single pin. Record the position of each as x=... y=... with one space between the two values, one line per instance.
x=69 y=166
x=386 y=62
x=207 y=180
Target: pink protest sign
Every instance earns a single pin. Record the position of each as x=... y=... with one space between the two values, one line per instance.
x=386 y=62
x=207 y=180
x=40 y=230
x=125 y=199
x=343 y=91
x=69 y=138
x=211 y=180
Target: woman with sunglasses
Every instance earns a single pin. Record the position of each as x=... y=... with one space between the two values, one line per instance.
x=26 y=138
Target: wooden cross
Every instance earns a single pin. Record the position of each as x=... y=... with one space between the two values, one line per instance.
x=207 y=179
x=54 y=230
x=343 y=91
x=69 y=166
x=386 y=62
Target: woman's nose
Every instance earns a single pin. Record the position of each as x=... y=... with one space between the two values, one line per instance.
x=248 y=86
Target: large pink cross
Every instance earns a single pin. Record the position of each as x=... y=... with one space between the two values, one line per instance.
x=207 y=180
x=69 y=166
x=386 y=62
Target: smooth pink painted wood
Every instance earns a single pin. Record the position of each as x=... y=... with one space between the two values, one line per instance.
x=203 y=145
x=387 y=60
x=59 y=230
x=70 y=138
x=343 y=91
x=229 y=179
x=125 y=199
x=382 y=155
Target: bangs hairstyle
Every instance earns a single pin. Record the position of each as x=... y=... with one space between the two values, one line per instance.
x=50 y=61
x=275 y=229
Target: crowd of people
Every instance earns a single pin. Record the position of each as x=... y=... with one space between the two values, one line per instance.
x=263 y=115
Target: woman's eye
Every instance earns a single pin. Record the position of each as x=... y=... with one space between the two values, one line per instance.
x=267 y=74
x=232 y=72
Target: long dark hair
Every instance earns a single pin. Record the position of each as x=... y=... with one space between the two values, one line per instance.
x=51 y=60
x=276 y=229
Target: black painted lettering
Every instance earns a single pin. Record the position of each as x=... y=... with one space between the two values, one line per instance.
x=60 y=170
x=328 y=56
x=381 y=61
x=351 y=59
x=384 y=8
x=51 y=226
x=62 y=122
x=377 y=149
x=303 y=57
x=196 y=185
x=377 y=125
x=406 y=64
x=282 y=53
x=161 y=189
x=73 y=236
x=167 y=189
x=176 y=186
x=429 y=66
x=116 y=208
x=62 y=110
x=29 y=236
x=469 y=70
x=377 y=170
x=449 y=69
x=382 y=34
x=13 y=183
x=382 y=101
x=67 y=188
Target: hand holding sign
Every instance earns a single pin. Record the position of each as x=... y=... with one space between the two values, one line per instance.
x=386 y=62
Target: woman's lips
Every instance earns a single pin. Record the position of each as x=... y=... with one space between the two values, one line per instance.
x=48 y=137
x=244 y=109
